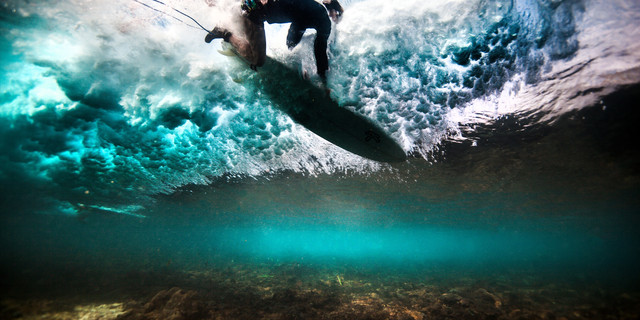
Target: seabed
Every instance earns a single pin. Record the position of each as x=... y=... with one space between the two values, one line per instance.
x=305 y=291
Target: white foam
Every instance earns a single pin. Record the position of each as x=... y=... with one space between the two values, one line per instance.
x=387 y=62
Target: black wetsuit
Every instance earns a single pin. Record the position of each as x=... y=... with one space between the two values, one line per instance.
x=302 y=14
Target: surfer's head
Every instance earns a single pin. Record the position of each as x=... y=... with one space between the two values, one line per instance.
x=250 y=5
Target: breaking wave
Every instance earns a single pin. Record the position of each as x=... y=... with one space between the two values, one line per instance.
x=105 y=103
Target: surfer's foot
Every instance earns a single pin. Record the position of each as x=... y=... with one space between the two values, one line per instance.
x=217 y=33
x=323 y=78
x=323 y=74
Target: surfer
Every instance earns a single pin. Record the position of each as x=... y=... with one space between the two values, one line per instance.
x=302 y=14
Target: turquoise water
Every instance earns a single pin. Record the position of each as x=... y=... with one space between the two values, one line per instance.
x=135 y=156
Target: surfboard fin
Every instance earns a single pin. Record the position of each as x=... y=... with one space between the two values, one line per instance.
x=227 y=52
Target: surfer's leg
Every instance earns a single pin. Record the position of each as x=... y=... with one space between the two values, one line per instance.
x=320 y=46
x=320 y=50
x=295 y=35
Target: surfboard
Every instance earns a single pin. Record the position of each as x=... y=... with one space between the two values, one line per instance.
x=313 y=108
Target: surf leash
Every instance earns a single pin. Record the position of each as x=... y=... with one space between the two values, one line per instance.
x=172 y=16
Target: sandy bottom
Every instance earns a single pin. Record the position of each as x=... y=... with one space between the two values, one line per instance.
x=299 y=291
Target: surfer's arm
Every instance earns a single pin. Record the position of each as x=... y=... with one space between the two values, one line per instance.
x=252 y=47
x=258 y=43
